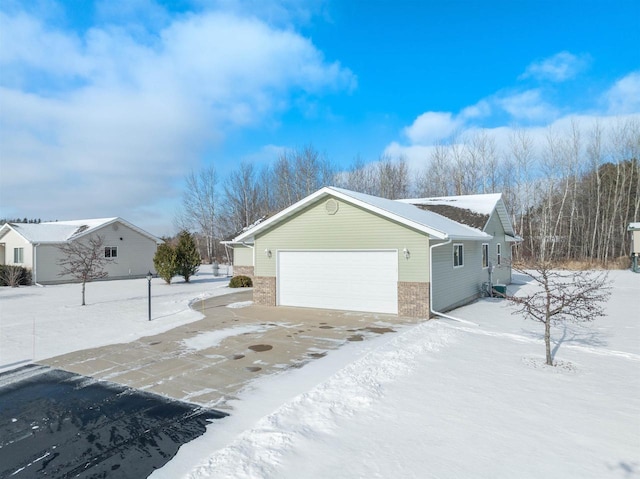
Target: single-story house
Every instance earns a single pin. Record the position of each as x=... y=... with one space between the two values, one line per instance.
x=338 y=249
x=129 y=249
x=634 y=228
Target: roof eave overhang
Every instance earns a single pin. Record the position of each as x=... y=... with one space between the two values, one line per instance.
x=513 y=239
x=484 y=237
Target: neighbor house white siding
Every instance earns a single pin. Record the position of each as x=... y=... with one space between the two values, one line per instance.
x=13 y=240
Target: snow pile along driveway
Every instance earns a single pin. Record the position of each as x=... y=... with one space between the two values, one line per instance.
x=443 y=399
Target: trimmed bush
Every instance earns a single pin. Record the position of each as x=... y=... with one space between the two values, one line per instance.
x=14 y=276
x=240 y=282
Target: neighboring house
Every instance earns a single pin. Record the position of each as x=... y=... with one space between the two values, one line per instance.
x=338 y=249
x=634 y=228
x=129 y=249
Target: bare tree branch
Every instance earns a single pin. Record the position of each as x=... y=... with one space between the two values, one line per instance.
x=83 y=261
x=575 y=296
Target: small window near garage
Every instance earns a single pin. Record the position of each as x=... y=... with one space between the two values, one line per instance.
x=458 y=255
x=485 y=255
x=18 y=255
x=499 y=254
x=111 y=252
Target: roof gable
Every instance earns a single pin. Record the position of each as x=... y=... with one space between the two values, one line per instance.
x=427 y=222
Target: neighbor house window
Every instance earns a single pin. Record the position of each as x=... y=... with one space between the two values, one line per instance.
x=458 y=255
x=18 y=255
x=499 y=253
x=485 y=255
x=111 y=252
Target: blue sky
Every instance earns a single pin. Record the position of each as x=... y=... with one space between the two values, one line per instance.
x=105 y=106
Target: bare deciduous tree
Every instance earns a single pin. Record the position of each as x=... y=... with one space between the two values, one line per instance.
x=84 y=261
x=200 y=207
x=576 y=296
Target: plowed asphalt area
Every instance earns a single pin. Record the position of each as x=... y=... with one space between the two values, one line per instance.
x=58 y=424
x=124 y=410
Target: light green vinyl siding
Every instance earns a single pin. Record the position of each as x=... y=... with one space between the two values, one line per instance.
x=350 y=228
x=242 y=256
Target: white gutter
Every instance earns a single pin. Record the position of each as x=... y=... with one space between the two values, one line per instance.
x=433 y=311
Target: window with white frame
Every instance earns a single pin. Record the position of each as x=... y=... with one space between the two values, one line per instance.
x=485 y=255
x=111 y=252
x=18 y=255
x=458 y=255
x=499 y=253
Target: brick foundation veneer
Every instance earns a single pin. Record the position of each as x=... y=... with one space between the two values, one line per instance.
x=413 y=299
x=264 y=290
x=243 y=270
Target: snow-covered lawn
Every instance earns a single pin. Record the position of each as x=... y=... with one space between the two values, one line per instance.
x=440 y=399
x=42 y=322
x=445 y=399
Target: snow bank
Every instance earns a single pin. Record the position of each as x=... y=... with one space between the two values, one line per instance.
x=443 y=399
x=42 y=322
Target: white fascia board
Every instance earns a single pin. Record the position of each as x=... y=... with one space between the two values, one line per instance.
x=250 y=233
x=110 y=221
x=480 y=237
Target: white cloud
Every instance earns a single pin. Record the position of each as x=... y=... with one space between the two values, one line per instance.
x=415 y=155
x=528 y=105
x=117 y=121
x=558 y=68
x=432 y=126
x=624 y=96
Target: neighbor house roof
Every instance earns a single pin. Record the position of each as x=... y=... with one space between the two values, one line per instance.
x=428 y=222
x=633 y=227
x=63 y=231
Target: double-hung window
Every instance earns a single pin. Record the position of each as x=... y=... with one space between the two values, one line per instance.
x=458 y=255
x=485 y=255
x=111 y=252
x=18 y=255
x=499 y=253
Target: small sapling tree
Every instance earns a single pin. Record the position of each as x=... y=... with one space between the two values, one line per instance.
x=187 y=256
x=166 y=262
x=84 y=261
x=563 y=295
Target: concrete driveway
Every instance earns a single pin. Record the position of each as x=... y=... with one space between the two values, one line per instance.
x=208 y=361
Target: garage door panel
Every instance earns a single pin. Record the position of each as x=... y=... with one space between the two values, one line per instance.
x=349 y=280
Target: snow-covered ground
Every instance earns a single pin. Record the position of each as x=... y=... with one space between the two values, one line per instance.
x=445 y=399
x=440 y=399
x=42 y=322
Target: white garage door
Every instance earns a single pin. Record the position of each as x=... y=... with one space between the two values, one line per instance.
x=349 y=280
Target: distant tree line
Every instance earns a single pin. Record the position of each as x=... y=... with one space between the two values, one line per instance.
x=571 y=196
x=20 y=220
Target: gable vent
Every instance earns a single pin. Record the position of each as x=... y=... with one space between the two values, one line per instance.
x=331 y=207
